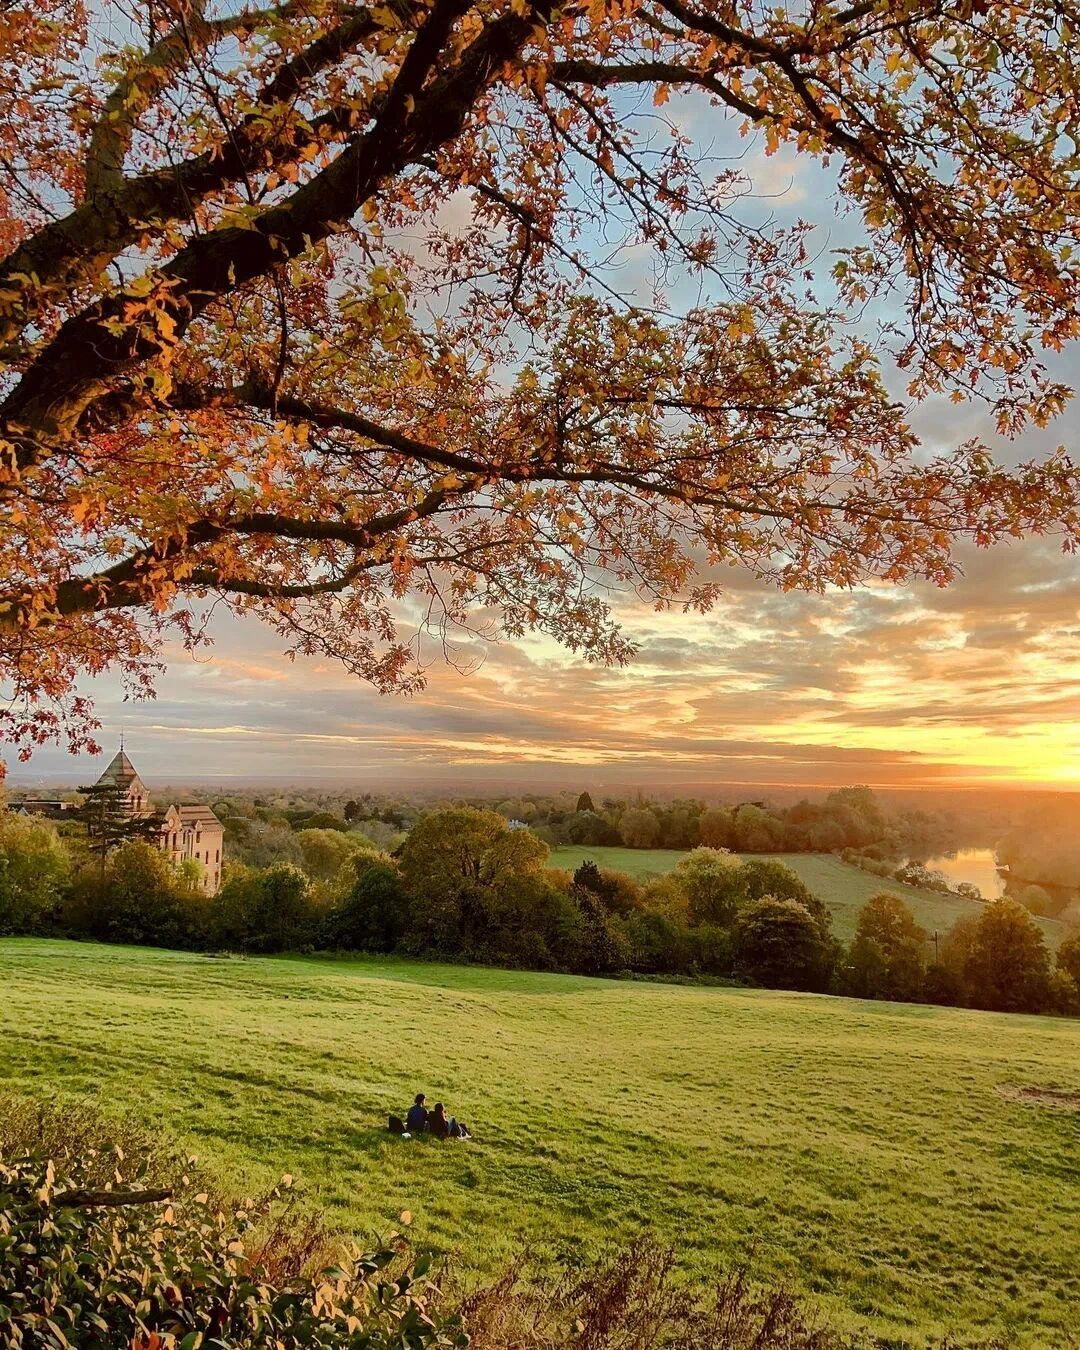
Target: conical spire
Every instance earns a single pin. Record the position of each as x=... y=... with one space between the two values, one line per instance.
x=120 y=769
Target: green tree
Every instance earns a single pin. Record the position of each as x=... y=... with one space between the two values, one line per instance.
x=586 y=827
x=887 y=957
x=1006 y=967
x=716 y=827
x=768 y=876
x=34 y=868
x=268 y=911
x=106 y=814
x=325 y=851
x=373 y=916
x=455 y=862
x=755 y=830
x=1038 y=900
x=639 y=827
x=715 y=885
x=1068 y=955
x=324 y=820
x=141 y=898
x=658 y=944
x=779 y=944
x=618 y=892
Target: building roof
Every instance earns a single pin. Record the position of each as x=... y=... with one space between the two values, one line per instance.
x=192 y=814
x=120 y=770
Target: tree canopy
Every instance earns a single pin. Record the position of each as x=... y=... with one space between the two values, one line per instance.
x=318 y=310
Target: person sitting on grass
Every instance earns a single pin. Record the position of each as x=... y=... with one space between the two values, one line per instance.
x=443 y=1126
x=416 y=1122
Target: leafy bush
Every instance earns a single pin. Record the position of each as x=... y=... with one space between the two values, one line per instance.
x=102 y=1275
x=779 y=944
x=33 y=871
x=139 y=897
x=199 y=1270
x=270 y=911
x=373 y=916
x=714 y=883
x=657 y=945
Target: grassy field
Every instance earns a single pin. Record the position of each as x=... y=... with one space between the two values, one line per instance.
x=845 y=889
x=861 y=1151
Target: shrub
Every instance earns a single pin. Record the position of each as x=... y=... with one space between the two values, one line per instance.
x=639 y=828
x=138 y=897
x=33 y=871
x=779 y=944
x=373 y=915
x=637 y=1301
x=714 y=883
x=657 y=945
x=147 y=1275
x=767 y=877
x=270 y=911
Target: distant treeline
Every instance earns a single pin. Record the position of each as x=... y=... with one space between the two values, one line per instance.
x=849 y=818
x=467 y=885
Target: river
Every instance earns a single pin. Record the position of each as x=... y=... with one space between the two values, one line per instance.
x=977 y=865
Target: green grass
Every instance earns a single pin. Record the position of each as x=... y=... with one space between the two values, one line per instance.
x=845 y=889
x=861 y=1151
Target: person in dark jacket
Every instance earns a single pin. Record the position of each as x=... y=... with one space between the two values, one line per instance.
x=416 y=1122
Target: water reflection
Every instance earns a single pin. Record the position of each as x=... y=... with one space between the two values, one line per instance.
x=976 y=865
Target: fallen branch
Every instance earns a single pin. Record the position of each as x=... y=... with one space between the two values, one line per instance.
x=93 y=1199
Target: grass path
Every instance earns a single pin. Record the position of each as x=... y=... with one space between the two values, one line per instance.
x=845 y=889
x=862 y=1151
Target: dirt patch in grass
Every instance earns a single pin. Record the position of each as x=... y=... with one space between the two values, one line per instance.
x=1055 y=1098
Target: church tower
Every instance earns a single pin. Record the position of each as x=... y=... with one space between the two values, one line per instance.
x=188 y=833
x=121 y=771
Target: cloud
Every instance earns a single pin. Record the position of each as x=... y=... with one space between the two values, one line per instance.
x=914 y=686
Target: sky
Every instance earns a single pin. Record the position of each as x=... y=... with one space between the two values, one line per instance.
x=908 y=687
x=913 y=687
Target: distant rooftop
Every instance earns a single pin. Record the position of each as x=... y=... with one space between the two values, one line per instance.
x=120 y=770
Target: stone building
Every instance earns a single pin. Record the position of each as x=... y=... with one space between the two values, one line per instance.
x=186 y=830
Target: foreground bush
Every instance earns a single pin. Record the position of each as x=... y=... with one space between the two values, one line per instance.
x=638 y=1302
x=78 y=1269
